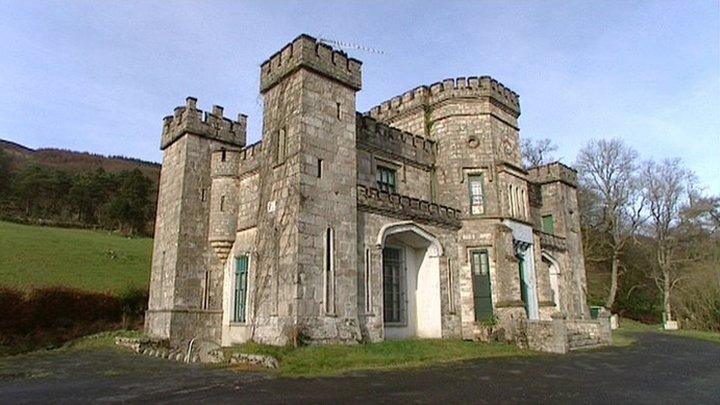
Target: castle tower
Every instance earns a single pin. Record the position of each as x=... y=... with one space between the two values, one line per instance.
x=307 y=205
x=560 y=212
x=185 y=289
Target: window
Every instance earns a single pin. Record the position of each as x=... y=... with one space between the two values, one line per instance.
x=240 y=290
x=222 y=203
x=319 y=168
x=393 y=286
x=203 y=194
x=511 y=201
x=451 y=296
x=339 y=110
x=223 y=156
x=482 y=291
x=206 y=291
x=477 y=197
x=368 y=281
x=480 y=263
x=329 y=270
x=548 y=224
x=282 y=145
x=386 y=179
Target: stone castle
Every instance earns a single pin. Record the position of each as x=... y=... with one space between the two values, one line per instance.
x=414 y=219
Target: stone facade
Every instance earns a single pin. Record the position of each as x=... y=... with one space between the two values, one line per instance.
x=346 y=227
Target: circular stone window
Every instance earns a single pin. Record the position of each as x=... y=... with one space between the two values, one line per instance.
x=473 y=142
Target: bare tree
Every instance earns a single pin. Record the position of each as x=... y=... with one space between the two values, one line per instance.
x=607 y=171
x=666 y=189
x=537 y=152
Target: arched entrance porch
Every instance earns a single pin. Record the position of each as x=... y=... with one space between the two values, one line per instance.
x=411 y=281
x=554 y=271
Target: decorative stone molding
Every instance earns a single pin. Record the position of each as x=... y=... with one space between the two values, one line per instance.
x=222 y=248
x=550 y=241
x=403 y=207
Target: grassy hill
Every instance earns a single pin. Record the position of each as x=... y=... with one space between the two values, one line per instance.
x=32 y=256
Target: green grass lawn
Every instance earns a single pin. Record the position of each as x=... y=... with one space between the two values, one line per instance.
x=34 y=256
x=625 y=335
x=312 y=361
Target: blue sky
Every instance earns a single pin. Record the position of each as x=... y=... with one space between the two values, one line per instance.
x=99 y=76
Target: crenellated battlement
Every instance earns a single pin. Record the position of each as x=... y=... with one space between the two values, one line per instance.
x=305 y=51
x=553 y=172
x=214 y=125
x=225 y=163
x=461 y=87
x=409 y=147
x=250 y=157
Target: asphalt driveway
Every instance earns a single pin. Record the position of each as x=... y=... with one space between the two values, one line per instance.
x=657 y=369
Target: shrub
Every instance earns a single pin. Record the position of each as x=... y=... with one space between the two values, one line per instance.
x=48 y=317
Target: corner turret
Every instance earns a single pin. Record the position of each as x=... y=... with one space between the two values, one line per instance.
x=213 y=125
x=224 y=168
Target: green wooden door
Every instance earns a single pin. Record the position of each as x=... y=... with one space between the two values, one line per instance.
x=482 y=292
x=241 y=271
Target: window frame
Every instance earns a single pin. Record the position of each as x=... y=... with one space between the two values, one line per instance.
x=400 y=280
x=479 y=179
x=543 y=223
x=385 y=184
x=239 y=315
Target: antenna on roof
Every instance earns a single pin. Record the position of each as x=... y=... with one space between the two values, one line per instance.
x=346 y=45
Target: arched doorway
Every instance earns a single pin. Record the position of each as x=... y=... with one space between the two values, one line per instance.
x=554 y=272
x=411 y=281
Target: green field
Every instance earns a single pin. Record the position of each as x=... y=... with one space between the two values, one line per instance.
x=33 y=256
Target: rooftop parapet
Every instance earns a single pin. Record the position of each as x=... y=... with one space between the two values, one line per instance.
x=461 y=87
x=224 y=163
x=250 y=157
x=305 y=51
x=553 y=172
x=373 y=200
x=411 y=148
x=188 y=119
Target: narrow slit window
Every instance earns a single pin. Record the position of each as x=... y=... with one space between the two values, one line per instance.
x=203 y=195
x=223 y=155
x=329 y=270
x=368 y=281
x=451 y=297
x=206 y=291
x=339 y=110
x=319 y=168
x=222 y=203
x=282 y=145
